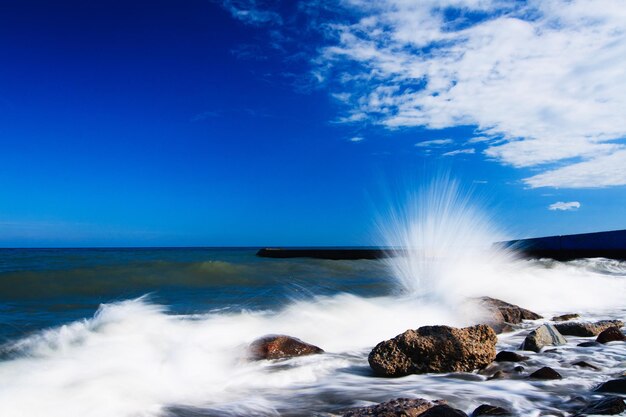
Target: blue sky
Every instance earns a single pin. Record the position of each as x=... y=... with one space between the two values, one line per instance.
x=134 y=123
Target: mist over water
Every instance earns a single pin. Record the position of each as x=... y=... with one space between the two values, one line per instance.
x=135 y=357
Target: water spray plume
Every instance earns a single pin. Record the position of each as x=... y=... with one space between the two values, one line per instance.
x=441 y=239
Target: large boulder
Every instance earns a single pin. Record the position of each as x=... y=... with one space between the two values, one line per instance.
x=585 y=328
x=501 y=313
x=612 y=334
x=435 y=349
x=399 y=407
x=280 y=347
x=544 y=335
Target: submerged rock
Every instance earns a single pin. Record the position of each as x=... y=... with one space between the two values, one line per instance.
x=605 y=406
x=545 y=373
x=589 y=344
x=506 y=356
x=490 y=410
x=502 y=314
x=443 y=411
x=435 y=349
x=544 y=335
x=612 y=334
x=565 y=317
x=585 y=328
x=584 y=364
x=399 y=407
x=614 y=385
x=280 y=347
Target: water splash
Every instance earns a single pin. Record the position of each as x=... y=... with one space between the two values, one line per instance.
x=442 y=241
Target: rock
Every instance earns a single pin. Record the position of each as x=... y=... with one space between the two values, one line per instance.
x=443 y=411
x=605 y=406
x=612 y=334
x=400 y=407
x=519 y=368
x=545 y=373
x=585 y=328
x=544 y=335
x=490 y=410
x=435 y=349
x=589 y=344
x=497 y=375
x=584 y=364
x=565 y=317
x=614 y=385
x=506 y=356
x=502 y=314
x=280 y=347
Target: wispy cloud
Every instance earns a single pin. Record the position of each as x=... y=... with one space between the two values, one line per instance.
x=460 y=152
x=204 y=115
x=356 y=139
x=251 y=12
x=544 y=81
x=434 y=142
x=572 y=205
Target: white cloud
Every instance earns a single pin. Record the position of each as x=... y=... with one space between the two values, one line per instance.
x=356 y=139
x=543 y=80
x=460 y=152
x=434 y=142
x=250 y=12
x=572 y=205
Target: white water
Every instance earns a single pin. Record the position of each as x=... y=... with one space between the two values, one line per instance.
x=134 y=359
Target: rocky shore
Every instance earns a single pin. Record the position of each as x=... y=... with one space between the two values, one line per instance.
x=472 y=351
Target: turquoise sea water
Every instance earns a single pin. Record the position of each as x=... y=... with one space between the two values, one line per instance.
x=41 y=288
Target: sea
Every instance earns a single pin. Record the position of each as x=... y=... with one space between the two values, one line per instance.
x=164 y=332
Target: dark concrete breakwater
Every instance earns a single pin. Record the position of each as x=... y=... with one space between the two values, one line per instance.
x=610 y=245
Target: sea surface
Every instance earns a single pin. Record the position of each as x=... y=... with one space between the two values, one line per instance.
x=163 y=332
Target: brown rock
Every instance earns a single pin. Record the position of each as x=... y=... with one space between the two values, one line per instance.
x=490 y=410
x=584 y=364
x=435 y=349
x=501 y=314
x=399 y=407
x=605 y=406
x=586 y=329
x=545 y=373
x=506 y=356
x=565 y=317
x=280 y=347
x=443 y=411
x=612 y=334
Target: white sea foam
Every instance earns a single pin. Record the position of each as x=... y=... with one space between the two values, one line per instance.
x=134 y=359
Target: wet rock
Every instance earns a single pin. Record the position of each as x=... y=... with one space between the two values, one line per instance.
x=443 y=411
x=435 y=349
x=545 y=373
x=604 y=406
x=490 y=410
x=585 y=328
x=612 y=334
x=565 y=317
x=501 y=314
x=584 y=364
x=519 y=368
x=506 y=356
x=399 y=407
x=544 y=335
x=589 y=344
x=280 y=347
x=615 y=385
x=497 y=375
